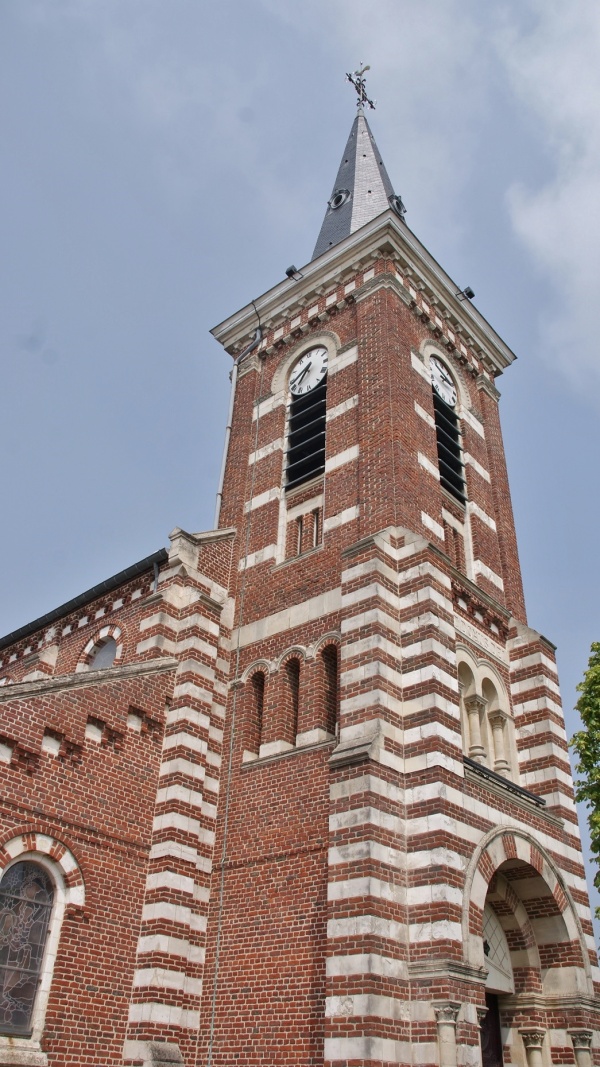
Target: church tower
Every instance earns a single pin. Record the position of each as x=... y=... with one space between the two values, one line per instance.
x=397 y=873
x=295 y=792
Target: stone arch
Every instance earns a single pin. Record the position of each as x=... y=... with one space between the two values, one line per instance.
x=515 y=922
x=431 y=348
x=254 y=679
x=31 y=845
x=499 y=722
x=96 y=643
x=293 y=652
x=30 y=841
x=332 y=638
x=487 y=722
x=327 y=662
x=539 y=901
x=258 y=665
x=328 y=338
x=466 y=668
x=281 y=711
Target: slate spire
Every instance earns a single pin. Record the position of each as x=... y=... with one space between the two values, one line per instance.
x=362 y=188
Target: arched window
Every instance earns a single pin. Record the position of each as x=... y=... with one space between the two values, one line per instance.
x=26 y=899
x=488 y=728
x=256 y=710
x=292 y=678
x=305 y=455
x=102 y=650
x=447 y=430
x=473 y=707
x=331 y=697
x=104 y=656
x=499 y=740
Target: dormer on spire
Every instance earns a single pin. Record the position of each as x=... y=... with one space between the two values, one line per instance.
x=362 y=189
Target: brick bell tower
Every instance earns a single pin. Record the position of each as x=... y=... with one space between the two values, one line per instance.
x=397 y=871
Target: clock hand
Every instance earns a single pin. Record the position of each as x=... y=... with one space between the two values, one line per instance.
x=299 y=377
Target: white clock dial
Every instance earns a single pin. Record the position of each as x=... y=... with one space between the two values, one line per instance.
x=442 y=382
x=310 y=369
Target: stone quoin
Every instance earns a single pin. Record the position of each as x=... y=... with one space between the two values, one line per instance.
x=295 y=792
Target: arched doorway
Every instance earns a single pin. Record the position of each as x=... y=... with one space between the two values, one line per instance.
x=500 y=981
x=525 y=937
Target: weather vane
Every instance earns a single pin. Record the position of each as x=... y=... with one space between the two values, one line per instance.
x=358 y=81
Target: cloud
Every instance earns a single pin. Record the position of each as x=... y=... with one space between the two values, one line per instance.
x=210 y=109
x=171 y=81
x=551 y=61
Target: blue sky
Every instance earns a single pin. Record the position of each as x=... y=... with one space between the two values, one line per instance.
x=165 y=162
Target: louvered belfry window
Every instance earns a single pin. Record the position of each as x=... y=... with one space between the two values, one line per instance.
x=26 y=898
x=306 y=436
x=450 y=463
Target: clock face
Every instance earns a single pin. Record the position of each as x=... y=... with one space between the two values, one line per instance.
x=442 y=382
x=310 y=369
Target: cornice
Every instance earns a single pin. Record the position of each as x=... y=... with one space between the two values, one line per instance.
x=429 y=969
x=486 y=386
x=55 y=684
x=385 y=235
x=528 y=1002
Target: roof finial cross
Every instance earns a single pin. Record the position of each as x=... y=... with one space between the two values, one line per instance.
x=358 y=81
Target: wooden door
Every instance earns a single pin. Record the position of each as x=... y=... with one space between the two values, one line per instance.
x=491 y=1037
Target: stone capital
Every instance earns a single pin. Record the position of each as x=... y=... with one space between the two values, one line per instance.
x=533 y=1036
x=581 y=1038
x=475 y=703
x=446 y=1012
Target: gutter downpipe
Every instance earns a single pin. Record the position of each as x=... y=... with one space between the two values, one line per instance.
x=234 y=377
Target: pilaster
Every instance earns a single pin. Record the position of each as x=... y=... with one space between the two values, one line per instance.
x=188 y=621
x=399 y=735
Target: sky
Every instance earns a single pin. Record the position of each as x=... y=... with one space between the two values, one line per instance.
x=164 y=161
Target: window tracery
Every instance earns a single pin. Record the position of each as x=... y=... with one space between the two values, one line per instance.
x=26 y=900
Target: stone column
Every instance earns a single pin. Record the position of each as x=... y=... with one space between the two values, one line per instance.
x=475 y=707
x=446 y=1015
x=498 y=723
x=582 y=1046
x=481 y=1016
x=533 y=1039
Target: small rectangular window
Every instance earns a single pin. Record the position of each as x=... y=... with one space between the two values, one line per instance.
x=299 y=531
x=317 y=530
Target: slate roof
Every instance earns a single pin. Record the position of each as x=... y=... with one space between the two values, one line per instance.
x=362 y=189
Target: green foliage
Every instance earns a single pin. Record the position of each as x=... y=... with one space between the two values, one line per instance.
x=586 y=744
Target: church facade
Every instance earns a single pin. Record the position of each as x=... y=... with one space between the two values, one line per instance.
x=295 y=792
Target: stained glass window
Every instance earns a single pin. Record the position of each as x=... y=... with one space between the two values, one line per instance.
x=26 y=896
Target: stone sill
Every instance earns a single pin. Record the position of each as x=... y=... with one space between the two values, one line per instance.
x=475 y=772
x=298 y=750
